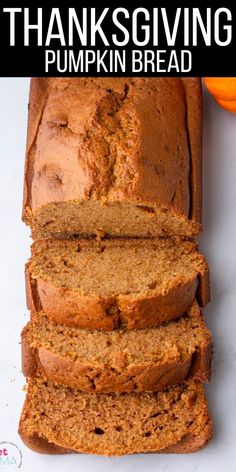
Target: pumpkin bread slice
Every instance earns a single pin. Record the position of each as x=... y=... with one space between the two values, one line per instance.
x=174 y=420
x=118 y=360
x=116 y=283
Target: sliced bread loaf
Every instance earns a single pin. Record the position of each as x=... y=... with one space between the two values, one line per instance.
x=118 y=360
x=115 y=283
x=173 y=420
x=114 y=156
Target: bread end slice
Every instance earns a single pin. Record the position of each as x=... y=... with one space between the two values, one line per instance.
x=175 y=420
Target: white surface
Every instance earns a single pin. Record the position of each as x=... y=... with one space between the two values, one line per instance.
x=218 y=243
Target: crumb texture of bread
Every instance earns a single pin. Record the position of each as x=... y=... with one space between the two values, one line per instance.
x=115 y=283
x=146 y=177
x=119 y=360
x=114 y=424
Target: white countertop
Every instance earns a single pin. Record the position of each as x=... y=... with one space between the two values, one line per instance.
x=218 y=242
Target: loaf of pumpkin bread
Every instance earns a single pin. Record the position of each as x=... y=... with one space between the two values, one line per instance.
x=60 y=419
x=116 y=348
x=115 y=283
x=113 y=156
x=119 y=360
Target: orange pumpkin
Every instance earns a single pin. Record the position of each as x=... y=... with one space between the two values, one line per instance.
x=223 y=90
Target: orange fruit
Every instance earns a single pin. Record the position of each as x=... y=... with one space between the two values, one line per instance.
x=223 y=90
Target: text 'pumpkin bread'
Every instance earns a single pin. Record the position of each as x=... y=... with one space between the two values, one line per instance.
x=113 y=156
x=115 y=283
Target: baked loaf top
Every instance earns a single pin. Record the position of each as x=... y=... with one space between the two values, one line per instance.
x=114 y=424
x=113 y=283
x=116 y=156
x=119 y=360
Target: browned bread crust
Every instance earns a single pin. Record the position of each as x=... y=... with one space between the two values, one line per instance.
x=187 y=445
x=146 y=136
x=94 y=311
x=193 y=93
x=176 y=420
x=184 y=350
